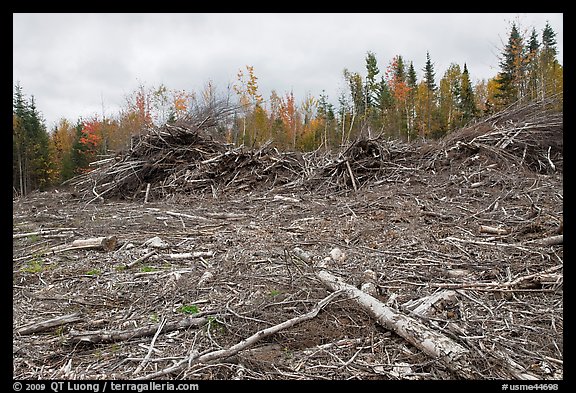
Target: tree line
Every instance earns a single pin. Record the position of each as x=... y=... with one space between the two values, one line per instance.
x=388 y=102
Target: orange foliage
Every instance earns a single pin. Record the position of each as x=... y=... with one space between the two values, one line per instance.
x=399 y=87
x=289 y=116
x=91 y=137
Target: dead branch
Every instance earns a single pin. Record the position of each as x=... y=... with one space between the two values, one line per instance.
x=533 y=281
x=191 y=255
x=549 y=241
x=244 y=344
x=141 y=259
x=43 y=232
x=493 y=230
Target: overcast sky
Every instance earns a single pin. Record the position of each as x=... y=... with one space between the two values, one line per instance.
x=77 y=64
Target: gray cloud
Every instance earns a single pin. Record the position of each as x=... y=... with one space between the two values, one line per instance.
x=73 y=62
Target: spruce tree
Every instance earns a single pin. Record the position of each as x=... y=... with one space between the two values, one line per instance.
x=371 y=84
x=510 y=77
x=548 y=62
x=385 y=102
x=429 y=75
x=31 y=163
x=533 y=67
x=411 y=81
x=549 y=41
x=467 y=100
x=371 y=91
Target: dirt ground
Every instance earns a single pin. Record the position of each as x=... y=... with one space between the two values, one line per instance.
x=246 y=261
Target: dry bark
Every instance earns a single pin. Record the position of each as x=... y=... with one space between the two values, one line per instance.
x=49 y=324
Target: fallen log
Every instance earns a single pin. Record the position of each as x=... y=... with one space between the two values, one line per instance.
x=104 y=243
x=493 y=230
x=49 y=324
x=43 y=232
x=451 y=354
x=550 y=241
x=106 y=336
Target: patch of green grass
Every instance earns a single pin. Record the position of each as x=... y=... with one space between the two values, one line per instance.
x=275 y=292
x=154 y=317
x=188 y=309
x=33 y=238
x=145 y=269
x=214 y=325
x=120 y=268
x=93 y=272
x=34 y=266
x=60 y=331
x=288 y=353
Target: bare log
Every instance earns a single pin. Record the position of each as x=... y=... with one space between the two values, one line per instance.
x=550 y=241
x=493 y=230
x=105 y=243
x=106 y=336
x=454 y=356
x=451 y=354
x=49 y=324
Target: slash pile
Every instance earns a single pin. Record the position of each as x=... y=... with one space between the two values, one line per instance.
x=186 y=157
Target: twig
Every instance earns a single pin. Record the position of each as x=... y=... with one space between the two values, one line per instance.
x=145 y=360
x=142 y=258
x=147 y=192
x=351 y=175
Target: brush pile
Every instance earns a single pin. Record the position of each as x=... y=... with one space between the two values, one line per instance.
x=188 y=157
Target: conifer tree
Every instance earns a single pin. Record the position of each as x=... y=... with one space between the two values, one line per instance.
x=371 y=84
x=467 y=100
x=429 y=75
x=533 y=66
x=371 y=92
x=551 y=71
x=31 y=167
x=512 y=69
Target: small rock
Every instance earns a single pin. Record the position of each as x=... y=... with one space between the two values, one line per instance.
x=156 y=242
x=337 y=255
